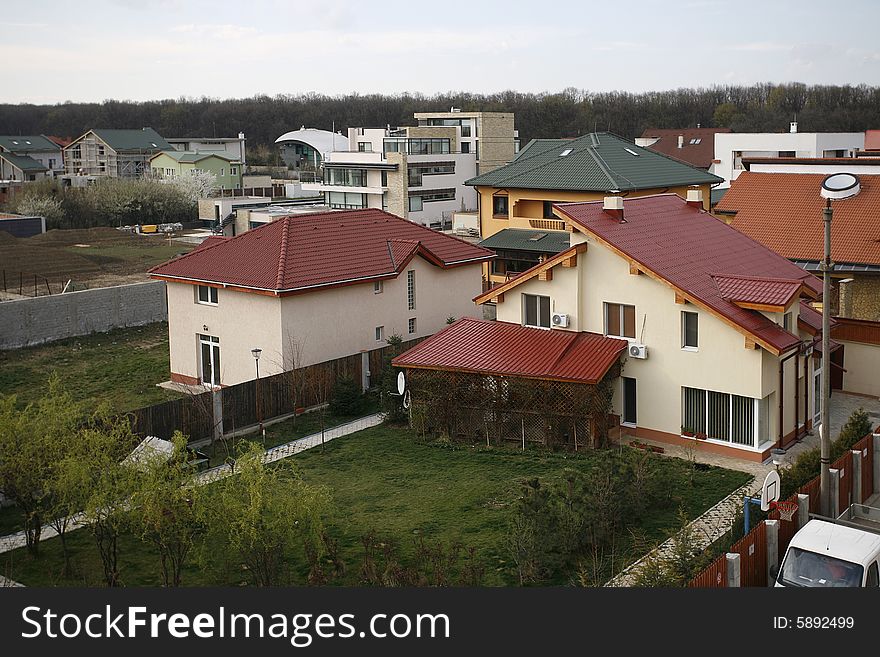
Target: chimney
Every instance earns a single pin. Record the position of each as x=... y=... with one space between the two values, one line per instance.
x=613 y=207
x=695 y=198
x=793 y=126
x=680 y=141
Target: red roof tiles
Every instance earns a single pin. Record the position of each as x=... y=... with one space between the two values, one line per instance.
x=687 y=247
x=301 y=252
x=783 y=211
x=699 y=154
x=758 y=291
x=505 y=349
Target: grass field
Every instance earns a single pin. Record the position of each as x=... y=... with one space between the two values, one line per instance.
x=384 y=481
x=121 y=367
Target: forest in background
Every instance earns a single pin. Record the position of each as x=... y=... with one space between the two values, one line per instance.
x=571 y=112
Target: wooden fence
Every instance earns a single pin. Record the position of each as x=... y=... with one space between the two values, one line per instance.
x=248 y=403
x=752 y=548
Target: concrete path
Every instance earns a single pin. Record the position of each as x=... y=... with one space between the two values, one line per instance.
x=15 y=541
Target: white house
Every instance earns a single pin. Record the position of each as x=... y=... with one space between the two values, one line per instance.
x=731 y=148
x=230 y=147
x=311 y=288
x=720 y=352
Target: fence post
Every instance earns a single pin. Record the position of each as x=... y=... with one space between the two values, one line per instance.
x=876 y=473
x=857 y=476
x=217 y=410
x=771 y=535
x=733 y=577
x=365 y=370
x=803 y=512
x=834 y=502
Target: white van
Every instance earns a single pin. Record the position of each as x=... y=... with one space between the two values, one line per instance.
x=828 y=554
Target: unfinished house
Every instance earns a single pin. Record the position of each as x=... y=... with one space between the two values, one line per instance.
x=113 y=153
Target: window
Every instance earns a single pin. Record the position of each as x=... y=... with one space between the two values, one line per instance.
x=76 y=152
x=210 y=353
x=689 y=330
x=786 y=321
x=207 y=295
x=221 y=171
x=620 y=320
x=737 y=160
x=536 y=311
x=345 y=177
x=365 y=147
x=548 y=210
x=415 y=203
x=233 y=171
x=465 y=146
x=380 y=333
x=411 y=289
x=722 y=416
x=787 y=153
x=384 y=178
x=499 y=206
x=377 y=287
x=434 y=195
x=412 y=325
x=345 y=200
x=100 y=150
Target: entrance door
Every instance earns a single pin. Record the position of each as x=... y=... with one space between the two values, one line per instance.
x=210 y=352
x=629 y=401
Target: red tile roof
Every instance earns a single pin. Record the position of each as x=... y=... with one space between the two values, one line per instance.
x=810 y=319
x=757 y=290
x=698 y=155
x=783 y=211
x=305 y=251
x=687 y=247
x=506 y=349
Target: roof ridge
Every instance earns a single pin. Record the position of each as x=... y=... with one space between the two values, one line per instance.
x=769 y=279
x=282 y=256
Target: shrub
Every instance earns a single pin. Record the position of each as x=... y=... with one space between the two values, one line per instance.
x=346 y=398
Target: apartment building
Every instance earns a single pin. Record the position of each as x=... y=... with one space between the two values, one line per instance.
x=491 y=136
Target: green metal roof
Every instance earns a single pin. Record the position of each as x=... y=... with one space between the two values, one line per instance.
x=27 y=143
x=190 y=156
x=145 y=139
x=23 y=162
x=595 y=162
x=518 y=239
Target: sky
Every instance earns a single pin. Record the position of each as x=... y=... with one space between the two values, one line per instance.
x=54 y=51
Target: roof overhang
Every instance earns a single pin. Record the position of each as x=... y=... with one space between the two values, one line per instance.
x=567 y=258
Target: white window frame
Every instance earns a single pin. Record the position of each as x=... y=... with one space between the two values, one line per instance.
x=380 y=333
x=605 y=308
x=411 y=326
x=213 y=343
x=756 y=418
x=411 y=289
x=684 y=345
x=787 y=318
x=213 y=295
x=537 y=297
x=378 y=287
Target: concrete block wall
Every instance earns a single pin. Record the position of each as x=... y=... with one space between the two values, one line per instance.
x=26 y=322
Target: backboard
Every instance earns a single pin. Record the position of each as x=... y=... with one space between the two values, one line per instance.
x=770 y=490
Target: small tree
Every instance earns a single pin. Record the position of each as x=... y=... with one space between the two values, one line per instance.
x=260 y=514
x=39 y=205
x=166 y=509
x=194 y=185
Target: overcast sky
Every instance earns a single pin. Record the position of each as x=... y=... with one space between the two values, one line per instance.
x=85 y=50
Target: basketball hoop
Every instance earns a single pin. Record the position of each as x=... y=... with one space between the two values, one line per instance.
x=786 y=510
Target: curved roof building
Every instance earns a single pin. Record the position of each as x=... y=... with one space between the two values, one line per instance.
x=308 y=145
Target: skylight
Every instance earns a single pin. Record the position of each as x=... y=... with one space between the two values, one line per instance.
x=565 y=152
x=696 y=140
x=631 y=151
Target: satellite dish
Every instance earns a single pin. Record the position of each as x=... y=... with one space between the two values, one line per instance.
x=401 y=383
x=839 y=186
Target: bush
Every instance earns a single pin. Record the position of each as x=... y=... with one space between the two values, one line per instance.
x=807 y=465
x=346 y=398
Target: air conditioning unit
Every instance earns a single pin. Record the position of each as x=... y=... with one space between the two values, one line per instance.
x=560 y=320
x=638 y=350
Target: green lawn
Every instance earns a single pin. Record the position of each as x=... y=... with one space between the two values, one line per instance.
x=383 y=480
x=121 y=367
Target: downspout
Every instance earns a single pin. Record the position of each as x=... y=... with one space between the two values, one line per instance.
x=781 y=391
x=797 y=371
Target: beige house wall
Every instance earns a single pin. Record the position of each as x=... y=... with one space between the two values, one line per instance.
x=495 y=132
x=862 y=363
x=242 y=321
x=398 y=186
x=320 y=326
x=721 y=363
x=861 y=298
x=342 y=321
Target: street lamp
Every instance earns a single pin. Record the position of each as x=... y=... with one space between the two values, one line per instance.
x=837 y=186
x=256 y=351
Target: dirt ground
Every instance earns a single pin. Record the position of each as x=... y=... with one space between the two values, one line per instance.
x=88 y=258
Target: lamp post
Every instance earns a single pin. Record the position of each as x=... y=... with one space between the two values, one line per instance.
x=256 y=351
x=837 y=186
